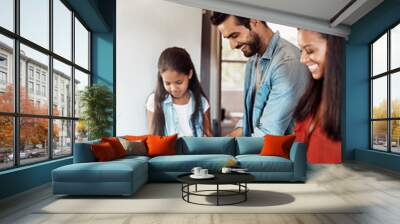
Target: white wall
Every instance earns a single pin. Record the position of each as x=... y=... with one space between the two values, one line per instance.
x=144 y=29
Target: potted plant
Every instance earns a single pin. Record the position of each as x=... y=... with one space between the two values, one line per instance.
x=96 y=102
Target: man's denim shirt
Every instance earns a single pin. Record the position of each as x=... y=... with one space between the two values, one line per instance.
x=283 y=81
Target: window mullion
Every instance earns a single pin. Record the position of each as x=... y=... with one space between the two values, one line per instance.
x=16 y=84
x=50 y=87
x=389 y=106
x=73 y=82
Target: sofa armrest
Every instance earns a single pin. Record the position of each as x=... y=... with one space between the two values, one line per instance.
x=298 y=157
x=83 y=152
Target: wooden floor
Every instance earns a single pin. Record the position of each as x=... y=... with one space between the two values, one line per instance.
x=377 y=188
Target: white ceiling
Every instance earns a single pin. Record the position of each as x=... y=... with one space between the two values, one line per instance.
x=317 y=15
x=321 y=9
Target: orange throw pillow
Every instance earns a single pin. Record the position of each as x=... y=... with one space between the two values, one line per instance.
x=161 y=145
x=136 y=137
x=116 y=145
x=103 y=151
x=277 y=145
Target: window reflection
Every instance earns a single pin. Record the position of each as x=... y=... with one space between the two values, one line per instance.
x=7 y=14
x=395 y=47
x=62 y=89
x=379 y=56
x=34 y=21
x=62 y=138
x=6 y=74
x=81 y=82
x=33 y=140
x=81 y=45
x=379 y=135
x=62 y=29
x=34 y=91
x=6 y=142
x=379 y=100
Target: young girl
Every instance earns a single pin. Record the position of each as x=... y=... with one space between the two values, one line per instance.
x=318 y=112
x=179 y=105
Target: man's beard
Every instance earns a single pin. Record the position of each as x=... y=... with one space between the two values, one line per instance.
x=253 y=45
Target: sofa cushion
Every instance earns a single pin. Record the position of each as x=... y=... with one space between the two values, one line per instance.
x=277 y=145
x=249 y=145
x=161 y=145
x=116 y=145
x=206 y=145
x=103 y=152
x=257 y=163
x=185 y=163
x=135 y=147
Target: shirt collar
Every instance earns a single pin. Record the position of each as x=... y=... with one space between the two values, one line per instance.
x=271 y=46
x=169 y=98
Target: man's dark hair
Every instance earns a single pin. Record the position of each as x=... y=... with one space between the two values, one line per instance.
x=218 y=17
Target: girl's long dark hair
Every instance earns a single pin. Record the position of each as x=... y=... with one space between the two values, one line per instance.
x=176 y=59
x=325 y=94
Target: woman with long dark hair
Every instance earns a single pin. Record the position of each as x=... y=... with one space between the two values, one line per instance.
x=318 y=112
x=179 y=105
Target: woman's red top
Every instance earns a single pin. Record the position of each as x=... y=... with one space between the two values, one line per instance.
x=320 y=148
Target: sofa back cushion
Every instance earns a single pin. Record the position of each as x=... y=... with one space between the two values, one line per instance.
x=277 y=145
x=104 y=152
x=249 y=145
x=116 y=146
x=161 y=145
x=206 y=145
x=83 y=152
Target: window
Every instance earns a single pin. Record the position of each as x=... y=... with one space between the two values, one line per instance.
x=30 y=72
x=385 y=94
x=6 y=142
x=6 y=73
x=35 y=21
x=45 y=131
x=37 y=74
x=233 y=64
x=81 y=45
x=81 y=81
x=3 y=72
x=62 y=29
x=30 y=88
x=7 y=14
x=62 y=74
x=3 y=61
x=38 y=89
x=3 y=78
x=43 y=90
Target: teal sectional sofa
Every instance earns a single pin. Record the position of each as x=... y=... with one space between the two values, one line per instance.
x=125 y=176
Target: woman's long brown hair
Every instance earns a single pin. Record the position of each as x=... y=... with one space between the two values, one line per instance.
x=325 y=94
x=176 y=59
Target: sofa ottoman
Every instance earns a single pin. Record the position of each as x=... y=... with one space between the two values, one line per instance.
x=119 y=177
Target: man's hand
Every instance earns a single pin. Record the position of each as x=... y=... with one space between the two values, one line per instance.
x=236 y=133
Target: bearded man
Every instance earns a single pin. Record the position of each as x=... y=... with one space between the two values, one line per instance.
x=274 y=77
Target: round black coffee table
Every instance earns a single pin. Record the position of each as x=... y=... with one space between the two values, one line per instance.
x=238 y=179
